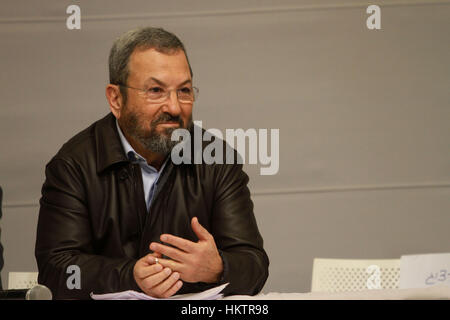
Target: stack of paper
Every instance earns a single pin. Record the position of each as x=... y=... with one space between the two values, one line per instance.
x=211 y=294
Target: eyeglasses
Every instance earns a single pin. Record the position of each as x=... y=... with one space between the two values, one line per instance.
x=158 y=94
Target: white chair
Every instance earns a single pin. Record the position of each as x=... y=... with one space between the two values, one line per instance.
x=22 y=280
x=346 y=275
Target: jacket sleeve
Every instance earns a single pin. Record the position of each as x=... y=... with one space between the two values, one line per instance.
x=64 y=251
x=236 y=233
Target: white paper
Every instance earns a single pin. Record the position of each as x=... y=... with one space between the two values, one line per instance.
x=424 y=270
x=210 y=294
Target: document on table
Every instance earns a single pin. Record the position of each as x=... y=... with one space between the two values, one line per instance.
x=211 y=294
x=424 y=270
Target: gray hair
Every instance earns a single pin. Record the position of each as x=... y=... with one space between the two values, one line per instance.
x=142 y=38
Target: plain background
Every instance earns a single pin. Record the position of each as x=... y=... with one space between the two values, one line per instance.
x=363 y=115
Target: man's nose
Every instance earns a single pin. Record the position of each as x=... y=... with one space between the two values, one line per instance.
x=173 y=105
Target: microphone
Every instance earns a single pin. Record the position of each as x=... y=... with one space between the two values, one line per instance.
x=37 y=292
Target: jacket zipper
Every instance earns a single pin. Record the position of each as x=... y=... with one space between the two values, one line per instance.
x=138 y=194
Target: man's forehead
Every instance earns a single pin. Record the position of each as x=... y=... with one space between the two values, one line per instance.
x=153 y=60
x=162 y=83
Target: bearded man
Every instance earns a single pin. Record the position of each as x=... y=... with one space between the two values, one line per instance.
x=117 y=210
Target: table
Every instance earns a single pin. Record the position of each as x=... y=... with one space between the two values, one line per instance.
x=430 y=293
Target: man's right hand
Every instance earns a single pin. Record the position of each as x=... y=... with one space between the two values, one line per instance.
x=155 y=280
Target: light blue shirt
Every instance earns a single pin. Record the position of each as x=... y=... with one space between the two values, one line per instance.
x=150 y=175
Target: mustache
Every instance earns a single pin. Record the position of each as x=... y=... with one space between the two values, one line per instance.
x=165 y=117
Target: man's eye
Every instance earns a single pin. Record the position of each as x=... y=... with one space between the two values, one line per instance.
x=186 y=90
x=155 y=90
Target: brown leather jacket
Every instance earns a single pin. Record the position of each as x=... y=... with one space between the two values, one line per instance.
x=93 y=215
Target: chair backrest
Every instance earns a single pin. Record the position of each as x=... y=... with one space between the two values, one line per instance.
x=345 y=275
x=22 y=280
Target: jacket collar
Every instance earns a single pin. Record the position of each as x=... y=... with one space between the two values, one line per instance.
x=108 y=146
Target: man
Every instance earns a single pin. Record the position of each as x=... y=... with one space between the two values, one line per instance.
x=117 y=214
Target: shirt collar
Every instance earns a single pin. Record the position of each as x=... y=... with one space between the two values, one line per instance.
x=133 y=156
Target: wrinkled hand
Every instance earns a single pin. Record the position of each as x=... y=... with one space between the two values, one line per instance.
x=154 y=279
x=194 y=261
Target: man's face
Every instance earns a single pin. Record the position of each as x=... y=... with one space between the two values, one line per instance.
x=151 y=124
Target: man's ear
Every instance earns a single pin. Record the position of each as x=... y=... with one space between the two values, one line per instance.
x=115 y=99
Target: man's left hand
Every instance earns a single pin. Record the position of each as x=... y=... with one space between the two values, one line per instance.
x=194 y=261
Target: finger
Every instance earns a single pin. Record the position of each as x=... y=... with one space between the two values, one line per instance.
x=156 y=255
x=153 y=258
x=166 y=284
x=173 y=289
x=155 y=279
x=201 y=232
x=149 y=259
x=170 y=252
x=172 y=264
x=146 y=271
x=178 y=242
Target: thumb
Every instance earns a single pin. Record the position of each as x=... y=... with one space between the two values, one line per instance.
x=151 y=257
x=201 y=232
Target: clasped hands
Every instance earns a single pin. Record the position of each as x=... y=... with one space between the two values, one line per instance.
x=189 y=261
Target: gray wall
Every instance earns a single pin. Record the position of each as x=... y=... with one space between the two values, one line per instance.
x=363 y=115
